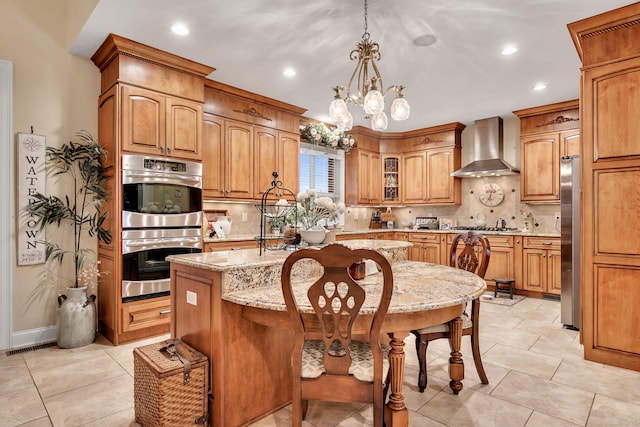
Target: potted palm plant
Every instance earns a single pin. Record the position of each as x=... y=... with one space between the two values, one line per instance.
x=81 y=210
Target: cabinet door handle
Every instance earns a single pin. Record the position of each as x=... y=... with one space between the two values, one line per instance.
x=168 y=149
x=165 y=311
x=546 y=243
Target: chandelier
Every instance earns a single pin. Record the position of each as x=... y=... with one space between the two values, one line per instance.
x=369 y=92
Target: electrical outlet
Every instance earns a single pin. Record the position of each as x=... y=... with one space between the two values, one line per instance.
x=355 y=215
x=557 y=216
x=192 y=298
x=244 y=217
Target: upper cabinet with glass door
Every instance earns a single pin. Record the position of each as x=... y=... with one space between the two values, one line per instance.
x=391 y=179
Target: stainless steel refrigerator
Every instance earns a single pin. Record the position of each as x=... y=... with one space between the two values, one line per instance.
x=570 y=241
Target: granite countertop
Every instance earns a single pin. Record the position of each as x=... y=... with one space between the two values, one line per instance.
x=251 y=279
x=245 y=258
x=418 y=286
x=246 y=237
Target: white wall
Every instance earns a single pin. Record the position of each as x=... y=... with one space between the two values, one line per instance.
x=56 y=93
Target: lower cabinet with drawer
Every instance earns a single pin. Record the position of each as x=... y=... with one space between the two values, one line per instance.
x=541 y=264
x=501 y=260
x=229 y=245
x=429 y=247
x=145 y=314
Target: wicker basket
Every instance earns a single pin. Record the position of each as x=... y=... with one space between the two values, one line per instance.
x=164 y=392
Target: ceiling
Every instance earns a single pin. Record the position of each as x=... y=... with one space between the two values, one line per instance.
x=461 y=77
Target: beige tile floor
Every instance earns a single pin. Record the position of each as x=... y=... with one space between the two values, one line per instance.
x=536 y=371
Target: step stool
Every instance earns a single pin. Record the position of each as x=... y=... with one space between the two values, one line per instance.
x=503 y=285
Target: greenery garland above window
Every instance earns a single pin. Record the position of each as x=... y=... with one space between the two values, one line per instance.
x=320 y=134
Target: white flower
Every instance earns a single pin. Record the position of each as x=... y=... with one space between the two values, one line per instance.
x=324 y=202
x=303 y=195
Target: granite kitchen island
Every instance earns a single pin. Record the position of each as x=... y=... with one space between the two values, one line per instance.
x=229 y=306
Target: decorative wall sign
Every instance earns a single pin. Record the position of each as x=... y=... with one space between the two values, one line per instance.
x=31 y=180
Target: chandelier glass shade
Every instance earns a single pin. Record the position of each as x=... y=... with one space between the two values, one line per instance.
x=363 y=89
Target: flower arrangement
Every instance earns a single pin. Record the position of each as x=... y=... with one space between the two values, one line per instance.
x=312 y=209
x=320 y=134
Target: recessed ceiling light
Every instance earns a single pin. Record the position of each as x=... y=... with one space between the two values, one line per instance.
x=425 y=40
x=289 y=72
x=539 y=86
x=508 y=50
x=180 y=29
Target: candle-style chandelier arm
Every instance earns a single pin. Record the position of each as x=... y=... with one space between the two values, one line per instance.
x=370 y=88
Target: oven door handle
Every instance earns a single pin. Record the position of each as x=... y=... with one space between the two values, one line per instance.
x=161 y=177
x=162 y=243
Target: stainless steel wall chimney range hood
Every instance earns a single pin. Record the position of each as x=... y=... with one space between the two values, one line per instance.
x=487 y=152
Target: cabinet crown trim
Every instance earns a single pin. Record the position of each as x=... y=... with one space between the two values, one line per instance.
x=115 y=45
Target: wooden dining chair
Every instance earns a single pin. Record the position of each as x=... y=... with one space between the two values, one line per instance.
x=473 y=257
x=330 y=361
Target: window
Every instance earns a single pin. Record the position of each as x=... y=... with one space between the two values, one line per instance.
x=322 y=169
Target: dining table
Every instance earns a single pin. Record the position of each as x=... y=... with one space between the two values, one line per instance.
x=242 y=323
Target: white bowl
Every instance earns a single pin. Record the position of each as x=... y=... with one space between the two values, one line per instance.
x=313 y=237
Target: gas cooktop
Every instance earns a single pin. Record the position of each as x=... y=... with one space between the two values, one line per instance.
x=476 y=228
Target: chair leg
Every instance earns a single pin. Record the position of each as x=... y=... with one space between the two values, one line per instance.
x=475 y=347
x=305 y=406
x=421 y=349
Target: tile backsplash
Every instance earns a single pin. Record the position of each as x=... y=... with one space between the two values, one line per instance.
x=511 y=209
x=245 y=218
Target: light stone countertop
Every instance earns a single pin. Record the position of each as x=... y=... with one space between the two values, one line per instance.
x=246 y=237
x=253 y=280
x=242 y=259
x=418 y=286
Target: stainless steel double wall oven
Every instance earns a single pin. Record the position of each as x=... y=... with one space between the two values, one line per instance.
x=161 y=216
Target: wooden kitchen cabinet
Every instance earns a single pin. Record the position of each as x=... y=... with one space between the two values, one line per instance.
x=442 y=188
x=426 y=173
x=229 y=245
x=228 y=163
x=239 y=160
x=428 y=247
x=541 y=264
x=276 y=151
x=608 y=47
x=402 y=236
x=414 y=182
x=246 y=138
x=146 y=313
x=151 y=103
x=502 y=259
x=391 y=179
x=160 y=125
x=546 y=134
x=540 y=153
x=213 y=161
x=220 y=330
x=363 y=175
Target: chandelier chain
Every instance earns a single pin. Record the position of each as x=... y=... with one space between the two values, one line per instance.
x=366 y=34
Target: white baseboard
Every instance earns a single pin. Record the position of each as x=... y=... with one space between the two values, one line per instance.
x=33 y=336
